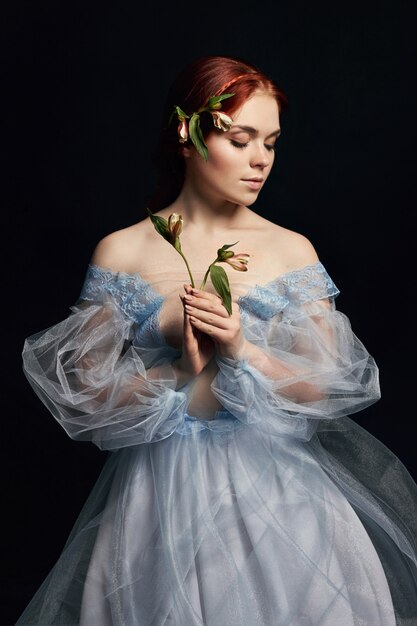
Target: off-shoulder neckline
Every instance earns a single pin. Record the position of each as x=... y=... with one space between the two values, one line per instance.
x=280 y=278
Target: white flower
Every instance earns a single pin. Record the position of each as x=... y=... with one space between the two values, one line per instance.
x=182 y=130
x=175 y=224
x=238 y=261
x=221 y=120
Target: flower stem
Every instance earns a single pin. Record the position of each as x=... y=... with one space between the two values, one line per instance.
x=188 y=268
x=205 y=278
x=207 y=273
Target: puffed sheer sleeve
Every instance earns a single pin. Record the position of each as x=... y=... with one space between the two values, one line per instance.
x=304 y=363
x=91 y=376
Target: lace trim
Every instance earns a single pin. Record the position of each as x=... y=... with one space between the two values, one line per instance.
x=265 y=301
x=307 y=284
x=134 y=295
x=149 y=332
x=310 y=283
x=138 y=299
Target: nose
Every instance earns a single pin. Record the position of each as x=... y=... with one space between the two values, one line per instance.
x=260 y=158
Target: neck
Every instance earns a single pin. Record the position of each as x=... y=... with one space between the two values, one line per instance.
x=206 y=214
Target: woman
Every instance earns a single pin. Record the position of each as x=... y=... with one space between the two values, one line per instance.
x=238 y=492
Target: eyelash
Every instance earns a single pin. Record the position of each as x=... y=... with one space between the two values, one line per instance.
x=237 y=144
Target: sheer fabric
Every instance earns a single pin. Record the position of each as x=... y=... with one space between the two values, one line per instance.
x=246 y=497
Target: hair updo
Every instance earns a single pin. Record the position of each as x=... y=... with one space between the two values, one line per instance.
x=206 y=77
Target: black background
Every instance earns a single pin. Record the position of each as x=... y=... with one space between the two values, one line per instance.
x=84 y=87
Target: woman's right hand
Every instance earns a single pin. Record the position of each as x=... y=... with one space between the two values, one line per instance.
x=197 y=348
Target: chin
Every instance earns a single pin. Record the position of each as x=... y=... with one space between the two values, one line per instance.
x=245 y=199
x=242 y=199
x=249 y=199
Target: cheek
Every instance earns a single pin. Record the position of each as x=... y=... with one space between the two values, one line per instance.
x=225 y=159
x=223 y=153
x=222 y=164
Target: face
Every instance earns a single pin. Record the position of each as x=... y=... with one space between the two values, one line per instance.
x=240 y=159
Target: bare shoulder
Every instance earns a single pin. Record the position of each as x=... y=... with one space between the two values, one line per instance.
x=122 y=249
x=296 y=249
x=289 y=249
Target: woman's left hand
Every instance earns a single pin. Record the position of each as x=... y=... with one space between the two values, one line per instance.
x=209 y=316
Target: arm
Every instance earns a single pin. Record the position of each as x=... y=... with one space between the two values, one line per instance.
x=301 y=362
x=295 y=375
x=93 y=380
x=117 y=251
x=233 y=344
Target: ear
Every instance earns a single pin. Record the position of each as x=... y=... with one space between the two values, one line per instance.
x=186 y=151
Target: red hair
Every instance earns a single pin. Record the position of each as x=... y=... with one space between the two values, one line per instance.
x=206 y=77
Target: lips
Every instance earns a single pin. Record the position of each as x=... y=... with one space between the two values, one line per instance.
x=253 y=183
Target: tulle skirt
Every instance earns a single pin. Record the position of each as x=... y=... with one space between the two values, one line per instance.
x=221 y=524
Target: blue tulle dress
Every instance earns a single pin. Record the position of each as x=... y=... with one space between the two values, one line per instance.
x=235 y=499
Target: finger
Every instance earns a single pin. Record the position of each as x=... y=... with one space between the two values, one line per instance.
x=188 y=337
x=212 y=331
x=204 y=304
x=206 y=295
x=208 y=318
x=186 y=318
x=188 y=332
x=187 y=289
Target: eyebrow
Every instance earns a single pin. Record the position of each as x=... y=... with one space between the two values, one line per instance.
x=254 y=131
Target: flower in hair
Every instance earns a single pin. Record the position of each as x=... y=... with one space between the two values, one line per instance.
x=221 y=120
x=192 y=130
x=182 y=124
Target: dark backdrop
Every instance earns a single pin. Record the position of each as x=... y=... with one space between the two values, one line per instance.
x=84 y=87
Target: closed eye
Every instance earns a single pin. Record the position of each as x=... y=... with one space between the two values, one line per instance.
x=238 y=144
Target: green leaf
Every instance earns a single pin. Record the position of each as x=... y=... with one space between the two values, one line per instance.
x=227 y=246
x=221 y=284
x=223 y=254
x=196 y=136
x=179 y=113
x=215 y=100
x=160 y=224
